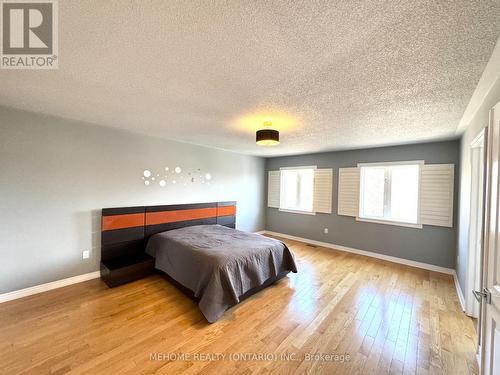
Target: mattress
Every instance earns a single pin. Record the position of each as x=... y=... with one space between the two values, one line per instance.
x=219 y=264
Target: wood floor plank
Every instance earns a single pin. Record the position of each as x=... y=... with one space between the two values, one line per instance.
x=384 y=317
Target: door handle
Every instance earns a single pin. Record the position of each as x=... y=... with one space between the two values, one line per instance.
x=477 y=295
x=486 y=294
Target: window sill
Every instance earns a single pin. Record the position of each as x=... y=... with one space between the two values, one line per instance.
x=297 y=212
x=388 y=222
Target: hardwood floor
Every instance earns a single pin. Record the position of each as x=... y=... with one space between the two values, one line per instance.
x=379 y=317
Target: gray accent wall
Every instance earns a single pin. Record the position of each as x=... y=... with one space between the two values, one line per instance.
x=431 y=244
x=479 y=122
x=57 y=174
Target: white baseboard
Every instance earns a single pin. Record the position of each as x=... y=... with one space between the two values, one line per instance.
x=412 y=263
x=460 y=294
x=48 y=286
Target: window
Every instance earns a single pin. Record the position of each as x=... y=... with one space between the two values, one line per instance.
x=390 y=192
x=306 y=190
x=297 y=189
x=400 y=193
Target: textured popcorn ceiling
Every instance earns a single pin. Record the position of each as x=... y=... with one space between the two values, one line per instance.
x=331 y=74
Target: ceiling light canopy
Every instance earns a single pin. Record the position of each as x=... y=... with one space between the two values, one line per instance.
x=267 y=136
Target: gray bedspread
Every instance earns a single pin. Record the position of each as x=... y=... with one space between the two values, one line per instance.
x=219 y=264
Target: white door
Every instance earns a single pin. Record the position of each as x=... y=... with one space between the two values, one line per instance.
x=490 y=320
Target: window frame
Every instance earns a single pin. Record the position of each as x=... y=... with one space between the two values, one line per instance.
x=312 y=212
x=418 y=224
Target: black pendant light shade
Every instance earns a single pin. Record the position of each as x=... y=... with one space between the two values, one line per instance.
x=267 y=137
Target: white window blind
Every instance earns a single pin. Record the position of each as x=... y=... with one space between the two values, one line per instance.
x=348 y=195
x=273 y=189
x=323 y=190
x=391 y=194
x=436 y=203
x=301 y=189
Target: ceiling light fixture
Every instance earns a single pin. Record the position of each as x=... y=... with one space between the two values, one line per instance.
x=267 y=136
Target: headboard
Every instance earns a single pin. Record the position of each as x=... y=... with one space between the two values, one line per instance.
x=125 y=230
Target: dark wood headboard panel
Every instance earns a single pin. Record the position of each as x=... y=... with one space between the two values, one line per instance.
x=125 y=230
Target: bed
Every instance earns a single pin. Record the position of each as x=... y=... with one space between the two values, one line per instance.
x=218 y=264
x=196 y=247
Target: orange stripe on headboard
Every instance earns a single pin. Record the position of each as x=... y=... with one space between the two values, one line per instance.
x=122 y=221
x=162 y=217
x=226 y=210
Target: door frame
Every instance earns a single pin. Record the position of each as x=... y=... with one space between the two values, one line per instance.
x=490 y=306
x=476 y=223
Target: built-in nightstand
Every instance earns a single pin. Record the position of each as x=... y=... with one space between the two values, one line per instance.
x=127 y=268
